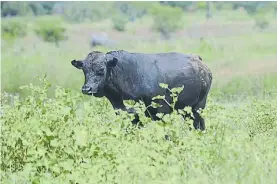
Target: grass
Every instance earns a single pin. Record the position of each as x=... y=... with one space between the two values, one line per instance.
x=58 y=135
x=32 y=57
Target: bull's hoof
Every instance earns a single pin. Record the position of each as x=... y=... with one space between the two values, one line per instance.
x=167 y=137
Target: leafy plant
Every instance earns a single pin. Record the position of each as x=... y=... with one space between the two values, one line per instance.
x=78 y=12
x=25 y=8
x=15 y=9
x=133 y=10
x=119 y=22
x=51 y=31
x=262 y=122
x=65 y=139
x=261 y=21
x=166 y=19
x=12 y=28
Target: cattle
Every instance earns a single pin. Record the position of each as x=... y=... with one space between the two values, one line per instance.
x=121 y=75
x=101 y=40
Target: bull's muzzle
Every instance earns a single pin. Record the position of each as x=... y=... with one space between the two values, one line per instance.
x=88 y=90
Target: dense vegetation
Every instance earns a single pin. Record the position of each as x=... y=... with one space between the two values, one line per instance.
x=51 y=133
x=66 y=140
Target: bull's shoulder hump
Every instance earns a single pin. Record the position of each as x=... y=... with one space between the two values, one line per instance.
x=117 y=52
x=157 y=57
x=151 y=55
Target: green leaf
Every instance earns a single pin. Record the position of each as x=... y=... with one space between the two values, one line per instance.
x=159 y=97
x=188 y=109
x=54 y=143
x=55 y=168
x=28 y=168
x=163 y=85
x=68 y=164
x=155 y=105
x=48 y=132
x=81 y=136
x=36 y=181
x=177 y=90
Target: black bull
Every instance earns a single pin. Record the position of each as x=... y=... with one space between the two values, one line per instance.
x=121 y=75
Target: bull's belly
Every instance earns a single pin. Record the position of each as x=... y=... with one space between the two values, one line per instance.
x=188 y=97
x=147 y=86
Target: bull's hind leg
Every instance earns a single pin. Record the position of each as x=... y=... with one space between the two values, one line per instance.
x=202 y=123
x=198 y=122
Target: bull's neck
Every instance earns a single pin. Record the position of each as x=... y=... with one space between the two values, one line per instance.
x=116 y=82
x=112 y=79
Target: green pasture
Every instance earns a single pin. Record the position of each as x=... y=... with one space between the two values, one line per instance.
x=51 y=133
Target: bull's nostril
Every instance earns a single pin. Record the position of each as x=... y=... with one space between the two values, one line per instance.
x=86 y=90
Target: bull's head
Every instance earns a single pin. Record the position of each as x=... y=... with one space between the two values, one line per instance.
x=95 y=67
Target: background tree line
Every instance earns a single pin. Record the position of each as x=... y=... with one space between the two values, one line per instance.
x=164 y=14
x=76 y=11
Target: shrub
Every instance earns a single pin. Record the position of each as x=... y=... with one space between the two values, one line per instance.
x=185 y=5
x=15 y=8
x=50 y=31
x=261 y=21
x=26 y=8
x=166 y=19
x=65 y=139
x=263 y=120
x=12 y=28
x=82 y=11
x=119 y=22
x=133 y=10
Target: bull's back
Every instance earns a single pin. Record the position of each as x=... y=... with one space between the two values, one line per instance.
x=174 y=69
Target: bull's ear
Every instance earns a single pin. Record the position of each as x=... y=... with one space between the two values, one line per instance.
x=77 y=64
x=112 y=62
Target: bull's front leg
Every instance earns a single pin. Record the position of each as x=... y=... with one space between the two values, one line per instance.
x=119 y=105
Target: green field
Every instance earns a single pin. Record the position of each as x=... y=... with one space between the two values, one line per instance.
x=54 y=134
